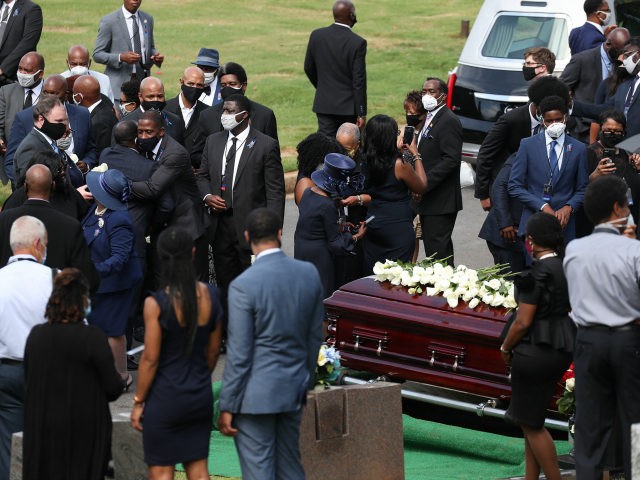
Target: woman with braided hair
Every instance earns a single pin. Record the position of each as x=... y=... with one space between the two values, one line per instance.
x=173 y=405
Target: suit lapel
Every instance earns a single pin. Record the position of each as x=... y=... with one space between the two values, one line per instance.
x=247 y=151
x=125 y=30
x=17 y=10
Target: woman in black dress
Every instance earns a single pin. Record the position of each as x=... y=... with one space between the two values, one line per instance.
x=392 y=178
x=173 y=404
x=539 y=343
x=70 y=380
x=320 y=234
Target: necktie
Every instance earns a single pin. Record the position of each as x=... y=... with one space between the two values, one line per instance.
x=149 y=155
x=228 y=173
x=28 y=100
x=54 y=145
x=4 y=20
x=628 y=100
x=553 y=157
x=137 y=47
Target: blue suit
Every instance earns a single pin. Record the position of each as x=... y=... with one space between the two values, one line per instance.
x=274 y=335
x=79 y=121
x=530 y=172
x=584 y=38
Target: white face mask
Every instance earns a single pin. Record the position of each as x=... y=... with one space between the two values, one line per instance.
x=229 y=121
x=64 y=142
x=209 y=78
x=429 y=102
x=607 y=17
x=79 y=70
x=77 y=98
x=27 y=80
x=556 y=129
x=629 y=64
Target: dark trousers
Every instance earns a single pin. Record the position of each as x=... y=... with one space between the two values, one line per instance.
x=436 y=235
x=230 y=259
x=607 y=369
x=516 y=260
x=329 y=124
x=11 y=411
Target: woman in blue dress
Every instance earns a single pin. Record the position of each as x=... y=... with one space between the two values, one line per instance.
x=322 y=233
x=109 y=233
x=392 y=177
x=173 y=404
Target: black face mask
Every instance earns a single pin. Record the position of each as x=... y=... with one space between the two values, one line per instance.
x=227 y=91
x=613 y=55
x=610 y=139
x=192 y=94
x=147 y=144
x=154 y=105
x=529 y=73
x=54 y=131
x=412 y=120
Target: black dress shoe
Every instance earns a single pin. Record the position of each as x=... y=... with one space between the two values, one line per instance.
x=131 y=363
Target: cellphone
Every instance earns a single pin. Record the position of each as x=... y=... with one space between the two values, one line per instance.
x=609 y=152
x=355 y=228
x=407 y=139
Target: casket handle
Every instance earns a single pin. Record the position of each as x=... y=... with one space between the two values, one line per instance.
x=357 y=344
x=379 y=350
x=433 y=358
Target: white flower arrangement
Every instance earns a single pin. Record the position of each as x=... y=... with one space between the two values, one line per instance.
x=433 y=277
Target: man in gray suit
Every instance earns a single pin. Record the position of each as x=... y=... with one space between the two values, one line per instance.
x=125 y=44
x=274 y=334
x=19 y=95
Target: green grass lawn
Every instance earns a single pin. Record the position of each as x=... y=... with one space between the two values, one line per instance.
x=407 y=41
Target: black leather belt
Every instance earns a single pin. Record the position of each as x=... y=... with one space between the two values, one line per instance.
x=622 y=328
x=9 y=361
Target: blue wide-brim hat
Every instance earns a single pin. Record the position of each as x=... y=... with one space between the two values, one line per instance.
x=208 y=57
x=110 y=188
x=337 y=176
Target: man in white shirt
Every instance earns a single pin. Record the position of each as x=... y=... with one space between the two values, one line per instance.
x=209 y=61
x=79 y=62
x=25 y=286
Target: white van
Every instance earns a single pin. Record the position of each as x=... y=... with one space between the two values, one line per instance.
x=488 y=81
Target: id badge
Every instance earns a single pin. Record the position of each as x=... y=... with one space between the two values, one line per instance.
x=547 y=192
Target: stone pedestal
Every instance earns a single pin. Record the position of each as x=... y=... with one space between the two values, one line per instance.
x=126 y=448
x=15 y=473
x=353 y=432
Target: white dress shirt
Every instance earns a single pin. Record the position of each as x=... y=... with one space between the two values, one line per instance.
x=187 y=112
x=25 y=287
x=129 y=21
x=559 y=148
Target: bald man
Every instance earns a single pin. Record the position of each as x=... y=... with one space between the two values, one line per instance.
x=187 y=106
x=86 y=92
x=335 y=66
x=80 y=151
x=19 y=95
x=152 y=97
x=79 y=63
x=67 y=247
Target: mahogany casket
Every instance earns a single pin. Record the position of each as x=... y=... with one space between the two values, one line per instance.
x=381 y=328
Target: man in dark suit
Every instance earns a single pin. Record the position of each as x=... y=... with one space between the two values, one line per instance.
x=82 y=146
x=591 y=34
x=233 y=80
x=275 y=329
x=18 y=96
x=587 y=69
x=500 y=228
x=208 y=61
x=549 y=173
x=187 y=106
x=504 y=137
x=86 y=93
x=20 y=30
x=335 y=65
x=174 y=175
x=241 y=170
x=125 y=45
x=152 y=97
x=66 y=247
x=440 y=145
